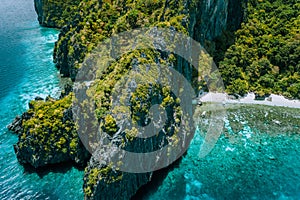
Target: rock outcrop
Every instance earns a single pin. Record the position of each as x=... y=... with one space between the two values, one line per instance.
x=55 y=14
x=105 y=183
x=16 y=125
x=204 y=20
x=49 y=136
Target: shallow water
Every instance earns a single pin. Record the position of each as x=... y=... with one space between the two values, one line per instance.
x=256 y=157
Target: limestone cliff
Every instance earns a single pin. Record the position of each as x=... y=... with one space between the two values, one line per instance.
x=92 y=22
x=47 y=134
x=209 y=19
x=204 y=20
x=55 y=13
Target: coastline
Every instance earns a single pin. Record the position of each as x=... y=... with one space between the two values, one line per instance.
x=97 y=176
x=272 y=100
x=28 y=71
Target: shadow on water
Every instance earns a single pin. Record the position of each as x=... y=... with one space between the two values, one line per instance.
x=60 y=168
x=157 y=179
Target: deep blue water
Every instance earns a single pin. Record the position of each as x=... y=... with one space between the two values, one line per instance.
x=26 y=71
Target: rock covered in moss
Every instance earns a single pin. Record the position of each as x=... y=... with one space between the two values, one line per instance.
x=49 y=135
x=90 y=23
x=96 y=20
x=104 y=182
x=55 y=13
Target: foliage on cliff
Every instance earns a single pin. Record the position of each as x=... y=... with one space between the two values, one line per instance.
x=49 y=135
x=55 y=13
x=98 y=20
x=265 y=57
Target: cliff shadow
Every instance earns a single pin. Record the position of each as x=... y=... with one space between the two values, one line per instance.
x=51 y=168
x=157 y=179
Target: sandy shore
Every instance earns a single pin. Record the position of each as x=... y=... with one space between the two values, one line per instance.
x=272 y=100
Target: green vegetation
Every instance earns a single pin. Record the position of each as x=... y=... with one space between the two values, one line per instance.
x=106 y=174
x=56 y=13
x=110 y=125
x=50 y=134
x=96 y=21
x=265 y=57
x=145 y=95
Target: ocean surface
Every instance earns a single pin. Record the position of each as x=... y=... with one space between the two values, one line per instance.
x=27 y=71
x=255 y=159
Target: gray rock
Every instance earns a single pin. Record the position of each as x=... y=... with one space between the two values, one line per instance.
x=16 y=125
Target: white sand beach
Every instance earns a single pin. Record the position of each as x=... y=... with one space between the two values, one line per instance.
x=272 y=100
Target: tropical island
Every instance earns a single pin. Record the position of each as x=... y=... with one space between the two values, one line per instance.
x=255 y=44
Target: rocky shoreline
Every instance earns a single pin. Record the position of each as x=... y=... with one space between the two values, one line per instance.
x=47 y=131
x=56 y=142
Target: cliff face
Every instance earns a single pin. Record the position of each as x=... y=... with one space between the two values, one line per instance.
x=54 y=13
x=208 y=19
x=47 y=134
x=91 y=22
x=213 y=22
x=204 y=20
x=104 y=183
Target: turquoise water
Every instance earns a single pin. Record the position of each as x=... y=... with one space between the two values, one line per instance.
x=248 y=164
x=26 y=71
x=256 y=157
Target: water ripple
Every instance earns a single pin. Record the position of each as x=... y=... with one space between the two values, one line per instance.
x=27 y=71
